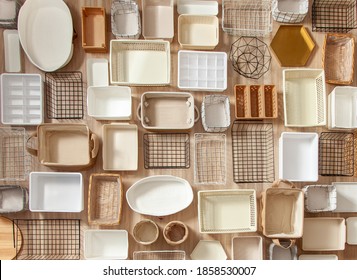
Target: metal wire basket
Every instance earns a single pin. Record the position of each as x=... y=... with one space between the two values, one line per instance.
x=13 y=198
x=320 y=198
x=290 y=11
x=215 y=113
x=125 y=19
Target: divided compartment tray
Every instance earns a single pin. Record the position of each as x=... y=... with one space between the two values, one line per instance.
x=256 y=102
x=227 y=211
x=166 y=150
x=253 y=152
x=210 y=158
x=21 y=99
x=200 y=70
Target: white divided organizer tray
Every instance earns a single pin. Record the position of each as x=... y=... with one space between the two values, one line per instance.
x=199 y=70
x=298 y=156
x=120 y=147
x=56 y=192
x=346 y=196
x=109 y=102
x=21 y=99
x=106 y=244
x=12 y=51
x=97 y=72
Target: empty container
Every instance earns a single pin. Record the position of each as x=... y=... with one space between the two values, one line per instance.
x=351 y=225
x=346 y=197
x=125 y=19
x=146 y=232
x=9 y=10
x=280 y=253
x=208 y=250
x=97 y=72
x=159 y=255
x=94 y=37
x=247 y=248
x=175 y=233
x=12 y=51
x=290 y=11
x=215 y=113
x=320 y=198
x=13 y=198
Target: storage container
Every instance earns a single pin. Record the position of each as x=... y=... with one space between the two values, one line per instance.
x=208 y=250
x=324 y=257
x=210 y=159
x=109 y=102
x=200 y=70
x=298 y=156
x=159 y=195
x=9 y=10
x=320 y=198
x=346 y=197
x=46 y=33
x=167 y=111
x=97 y=72
x=125 y=19
x=120 y=146
x=324 y=234
x=56 y=192
x=290 y=11
x=146 y=232
x=159 y=255
x=12 y=51
x=338 y=58
x=247 y=17
x=197 y=7
x=143 y=56
x=11 y=239
x=158 y=19
x=21 y=99
x=94 y=30
x=282 y=211
x=198 y=31
x=215 y=113
x=304 y=96
x=105 y=199
x=351 y=225
x=175 y=233
x=256 y=102
x=106 y=244
x=73 y=146
x=227 y=211
x=342 y=109
x=252 y=152
x=13 y=198
x=281 y=253
x=247 y=248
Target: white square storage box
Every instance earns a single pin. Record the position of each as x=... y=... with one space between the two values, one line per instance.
x=97 y=72
x=56 y=192
x=227 y=211
x=324 y=234
x=298 y=156
x=21 y=99
x=132 y=62
x=158 y=19
x=247 y=248
x=342 y=109
x=109 y=103
x=304 y=96
x=106 y=244
x=120 y=146
x=346 y=197
x=199 y=70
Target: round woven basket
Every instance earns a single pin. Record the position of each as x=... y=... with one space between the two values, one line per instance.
x=175 y=233
x=146 y=232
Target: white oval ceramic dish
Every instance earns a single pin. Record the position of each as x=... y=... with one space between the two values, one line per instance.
x=45 y=31
x=159 y=195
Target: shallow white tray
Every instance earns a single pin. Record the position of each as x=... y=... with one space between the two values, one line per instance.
x=247 y=248
x=197 y=7
x=208 y=250
x=298 y=156
x=346 y=196
x=109 y=102
x=159 y=195
x=97 y=72
x=106 y=244
x=351 y=224
x=56 y=192
x=12 y=51
x=120 y=147
x=318 y=257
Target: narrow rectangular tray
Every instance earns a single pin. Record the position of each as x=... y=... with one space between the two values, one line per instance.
x=346 y=196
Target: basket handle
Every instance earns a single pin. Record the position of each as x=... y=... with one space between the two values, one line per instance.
x=31 y=151
x=95 y=139
x=138 y=112
x=197 y=113
x=286 y=182
x=278 y=243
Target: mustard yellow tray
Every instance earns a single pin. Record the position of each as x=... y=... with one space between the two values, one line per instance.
x=292 y=45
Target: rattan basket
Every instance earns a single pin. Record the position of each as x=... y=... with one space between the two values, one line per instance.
x=338 y=58
x=105 y=199
x=175 y=233
x=320 y=198
x=146 y=232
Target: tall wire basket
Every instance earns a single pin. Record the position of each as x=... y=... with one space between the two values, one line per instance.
x=290 y=11
x=64 y=95
x=253 y=152
x=125 y=19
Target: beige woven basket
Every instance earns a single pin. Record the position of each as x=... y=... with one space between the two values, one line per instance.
x=105 y=199
x=146 y=232
x=338 y=58
x=175 y=233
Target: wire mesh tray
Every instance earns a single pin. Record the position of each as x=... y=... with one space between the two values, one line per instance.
x=166 y=150
x=49 y=239
x=227 y=211
x=159 y=255
x=210 y=158
x=290 y=11
x=125 y=19
x=105 y=199
x=253 y=152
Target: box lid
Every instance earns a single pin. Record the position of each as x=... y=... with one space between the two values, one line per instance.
x=197 y=7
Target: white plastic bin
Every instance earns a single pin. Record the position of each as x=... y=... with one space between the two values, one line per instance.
x=346 y=197
x=197 y=7
x=298 y=156
x=56 y=192
x=12 y=51
x=97 y=72
x=109 y=103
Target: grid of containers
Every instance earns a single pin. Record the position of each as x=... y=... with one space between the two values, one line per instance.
x=303 y=156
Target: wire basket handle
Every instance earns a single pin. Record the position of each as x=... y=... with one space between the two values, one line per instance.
x=31 y=151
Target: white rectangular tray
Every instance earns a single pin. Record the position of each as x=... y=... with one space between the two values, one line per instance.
x=346 y=196
x=120 y=147
x=21 y=99
x=197 y=7
x=12 y=51
x=324 y=257
x=200 y=70
x=97 y=72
